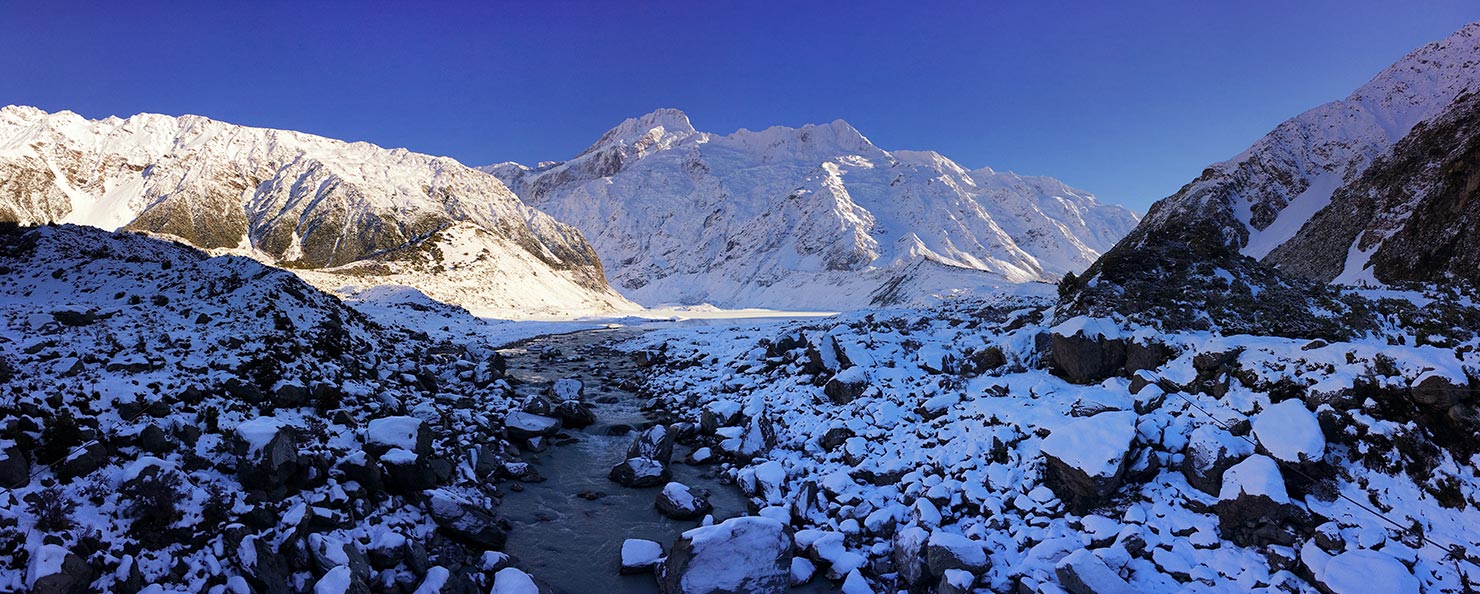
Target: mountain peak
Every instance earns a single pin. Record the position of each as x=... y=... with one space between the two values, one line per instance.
x=662 y=123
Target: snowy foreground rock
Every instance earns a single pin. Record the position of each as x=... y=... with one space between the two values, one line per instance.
x=747 y=555
x=973 y=457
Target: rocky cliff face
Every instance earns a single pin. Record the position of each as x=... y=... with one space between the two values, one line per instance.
x=1281 y=200
x=1414 y=215
x=292 y=199
x=815 y=217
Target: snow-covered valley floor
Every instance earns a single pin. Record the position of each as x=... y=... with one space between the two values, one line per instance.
x=906 y=447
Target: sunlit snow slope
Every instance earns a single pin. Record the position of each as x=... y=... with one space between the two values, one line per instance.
x=352 y=213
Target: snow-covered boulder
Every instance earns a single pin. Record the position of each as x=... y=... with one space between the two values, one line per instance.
x=955 y=581
x=1252 y=501
x=407 y=433
x=677 y=501
x=512 y=581
x=267 y=454
x=946 y=551
x=640 y=472
x=464 y=521
x=1086 y=350
x=640 y=556
x=746 y=555
x=523 y=425
x=908 y=551
x=847 y=385
x=1289 y=432
x=1083 y=572
x=654 y=443
x=55 y=570
x=1210 y=452
x=1086 y=458
x=757 y=439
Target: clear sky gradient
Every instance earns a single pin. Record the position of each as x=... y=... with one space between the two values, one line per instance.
x=1128 y=100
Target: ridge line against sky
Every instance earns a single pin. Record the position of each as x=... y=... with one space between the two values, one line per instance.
x=1126 y=100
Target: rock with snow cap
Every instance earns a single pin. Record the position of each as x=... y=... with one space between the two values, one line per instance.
x=848 y=385
x=1083 y=572
x=55 y=570
x=1210 y=452
x=1086 y=350
x=523 y=425
x=1253 y=503
x=404 y=432
x=746 y=555
x=1086 y=459
x=640 y=473
x=679 y=502
x=1289 y=432
x=945 y=551
x=267 y=454
x=640 y=556
x=464 y=521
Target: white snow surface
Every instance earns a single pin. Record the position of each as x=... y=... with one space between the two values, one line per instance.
x=396 y=432
x=1096 y=445
x=1254 y=476
x=513 y=581
x=814 y=218
x=1290 y=432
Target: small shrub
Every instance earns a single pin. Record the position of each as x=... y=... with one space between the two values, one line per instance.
x=52 y=509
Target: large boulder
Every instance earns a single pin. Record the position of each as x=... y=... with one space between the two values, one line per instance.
x=55 y=570
x=908 y=552
x=1290 y=433
x=267 y=454
x=1086 y=459
x=1436 y=391
x=407 y=433
x=1359 y=571
x=15 y=467
x=656 y=443
x=513 y=581
x=1253 y=502
x=746 y=555
x=1086 y=350
x=1211 y=451
x=640 y=556
x=523 y=425
x=946 y=551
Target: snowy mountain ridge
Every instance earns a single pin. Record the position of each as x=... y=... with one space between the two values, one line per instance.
x=1263 y=197
x=815 y=217
x=302 y=201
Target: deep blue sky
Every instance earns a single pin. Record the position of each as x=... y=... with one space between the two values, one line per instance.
x=1126 y=99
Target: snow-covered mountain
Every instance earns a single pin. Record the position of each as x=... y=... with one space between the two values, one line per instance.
x=1269 y=201
x=815 y=217
x=352 y=212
